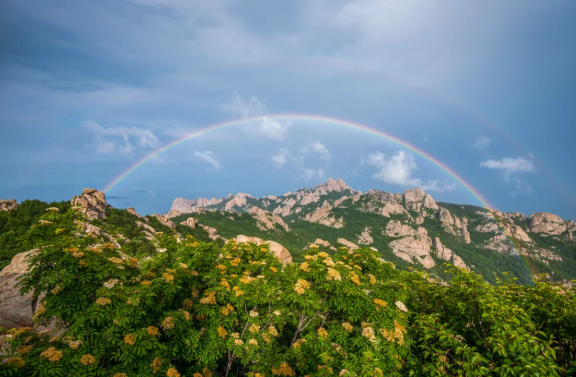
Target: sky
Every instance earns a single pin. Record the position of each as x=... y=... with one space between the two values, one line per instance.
x=487 y=87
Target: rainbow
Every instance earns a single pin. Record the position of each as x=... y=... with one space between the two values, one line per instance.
x=318 y=119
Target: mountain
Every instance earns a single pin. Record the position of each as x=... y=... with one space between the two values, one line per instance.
x=409 y=229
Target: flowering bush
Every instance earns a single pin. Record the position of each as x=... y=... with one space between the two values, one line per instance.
x=198 y=309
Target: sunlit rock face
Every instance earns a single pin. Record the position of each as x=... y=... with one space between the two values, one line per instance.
x=93 y=203
x=8 y=205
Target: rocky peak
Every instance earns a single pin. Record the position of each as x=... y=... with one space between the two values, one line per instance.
x=93 y=203
x=267 y=220
x=542 y=222
x=7 y=205
x=415 y=199
x=183 y=205
x=238 y=200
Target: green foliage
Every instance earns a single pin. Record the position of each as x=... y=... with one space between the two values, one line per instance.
x=199 y=309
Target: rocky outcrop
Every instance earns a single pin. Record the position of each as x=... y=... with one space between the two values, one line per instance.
x=164 y=220
x=149 y=232
x=132 y=211
x=92 y=202
x=285 y=209
x=446 y=254
x=365 y=238
x=416 y=199
x=278 y=250
x=322 y=216
x=16 y=310
x=542 y=222
x=414 y=249
x=498 y=243
x=184 y=205
x=516 y=231
x=464 y=230
x=382 y=203
x=8 y=205
x=172 y=213
x=348 y=244
x=238 y=200
x=267 y=220
x=191 y=222
x=204 y=202
x=212 y=233
x=488 y=227
x=395 y=228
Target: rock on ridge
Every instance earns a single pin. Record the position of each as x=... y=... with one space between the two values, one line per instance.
x=392 y=203
x=173 y=213
x=348 y=244
x=267 y=220
x=93 y=203
x=416 y=199
x=8 y=205
x=365 y=238
x=183 y=205
x=278 y=250
x=165 y=220
x=542 y=222
x=191 y=222
x=322 y=216
x=448 y=255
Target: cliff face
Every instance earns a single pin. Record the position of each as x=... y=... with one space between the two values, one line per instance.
x=409 y=227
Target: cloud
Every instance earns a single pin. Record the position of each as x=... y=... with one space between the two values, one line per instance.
x=318 y=148
x=282 y=158
x=263 y=127
x=482 y=143
x=109 y=140
x=313 y=174
x=398 y=170
x=208 y=157
x=509 y=165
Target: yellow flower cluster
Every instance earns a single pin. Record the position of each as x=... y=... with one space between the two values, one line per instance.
x=245 y=279
x=51 y=354
x=235 y=262
x=400 y=305
x=205 y=373
x=57 y=290
x=145 y=282
x=333 y=275
x=298 y=343
x=322 y=332
x=210 y=298
x=301 y=286
x=254 y=313
x=273 y=269
x=222 y=268
x=253 y=342
x=167 y=277
x=381 y=303
x=238 y=342
x=195 y=293
x=372 y=279
x=87 y=359
x=254 y=328
x=310 y=257
x=222 y=332
x=272 y=331
x=134 y=301
x=168 y=323
x=224 y=283
x=172 y=372
x=102 y=301
x=152 y=330
x=24 y=350
x=348 y=327
x=52 y=209
x=305 y=267
x=238 y=292
x=368 y=332
x=329 y=262
x=129 y=339
x=16 y=362
x=283 y=370
x=396 y=335
x=187 y=303
x=156 y=364
x=323 y=254
x=115 y=260
x=120 y=375
x=183 y=266
x=75 y=344
x=78 y=254
x=355 y=279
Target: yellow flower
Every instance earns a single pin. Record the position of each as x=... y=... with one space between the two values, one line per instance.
x=235 y=335
x=224 y=311
x=333 y=275
x=238 y=342
x=323 y=254
x=168 y=323
x=253 y=342
x=222 y=268
x=348 y=327
x=372 y=279
x=224 y=283
x=16 y=362
x=301 y=286
x=355 y=278
x=329 y=262
x=277 y=312
x=115 y=260
x=152 y=330
x=254 y=328
x=245 y=279
x=167 y=277
x=172 y=372
x=222 y=332
x=322 y=332
x=52 y=354
x=235 y=262
x=283 y=370
x=298 y=343
x=87 y=359
x=188 y=303
x=195 y=292
x=24 y=350
x=273 y=269
x=368 y=332
x=254 y=313
x=182 y=265
x=230 y=307
x=210 y=299
x=309 y=257
x=120 y=375
x=129 y=339
x=272 y=330
x=156 y=364
x=381 y=303
x=305 y=267
x=239 y=293
x=400 y=305
x=102 y=301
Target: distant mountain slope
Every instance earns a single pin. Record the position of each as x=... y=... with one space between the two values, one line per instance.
x=409 y=229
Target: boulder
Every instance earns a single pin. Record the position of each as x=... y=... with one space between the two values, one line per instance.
x=173 y=213
x=212 y=233
x=395 y=228
x=132 y=211
x=16 y=310
x=416 y=199
x=348 y=244
x=413 y=249
x=164 y=220
x=93 y=203
x=191 y=222
x=278 y=250
x=8 y=205
x=542 y=222
x=184 y=205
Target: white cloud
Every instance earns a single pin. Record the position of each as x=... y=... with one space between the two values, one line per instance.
x=282 y=158
x=263 y=127
x=108 y=140
x=313 y=174
x=482 y=143
x=208 y=157
x=398 y=170
x=318 y=148
x=509 y=165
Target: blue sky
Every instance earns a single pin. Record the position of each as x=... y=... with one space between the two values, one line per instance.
x=487 y=87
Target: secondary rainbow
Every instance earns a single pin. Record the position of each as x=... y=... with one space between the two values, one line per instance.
x=318 y=119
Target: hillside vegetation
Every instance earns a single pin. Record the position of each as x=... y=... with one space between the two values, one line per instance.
x=192 y=308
